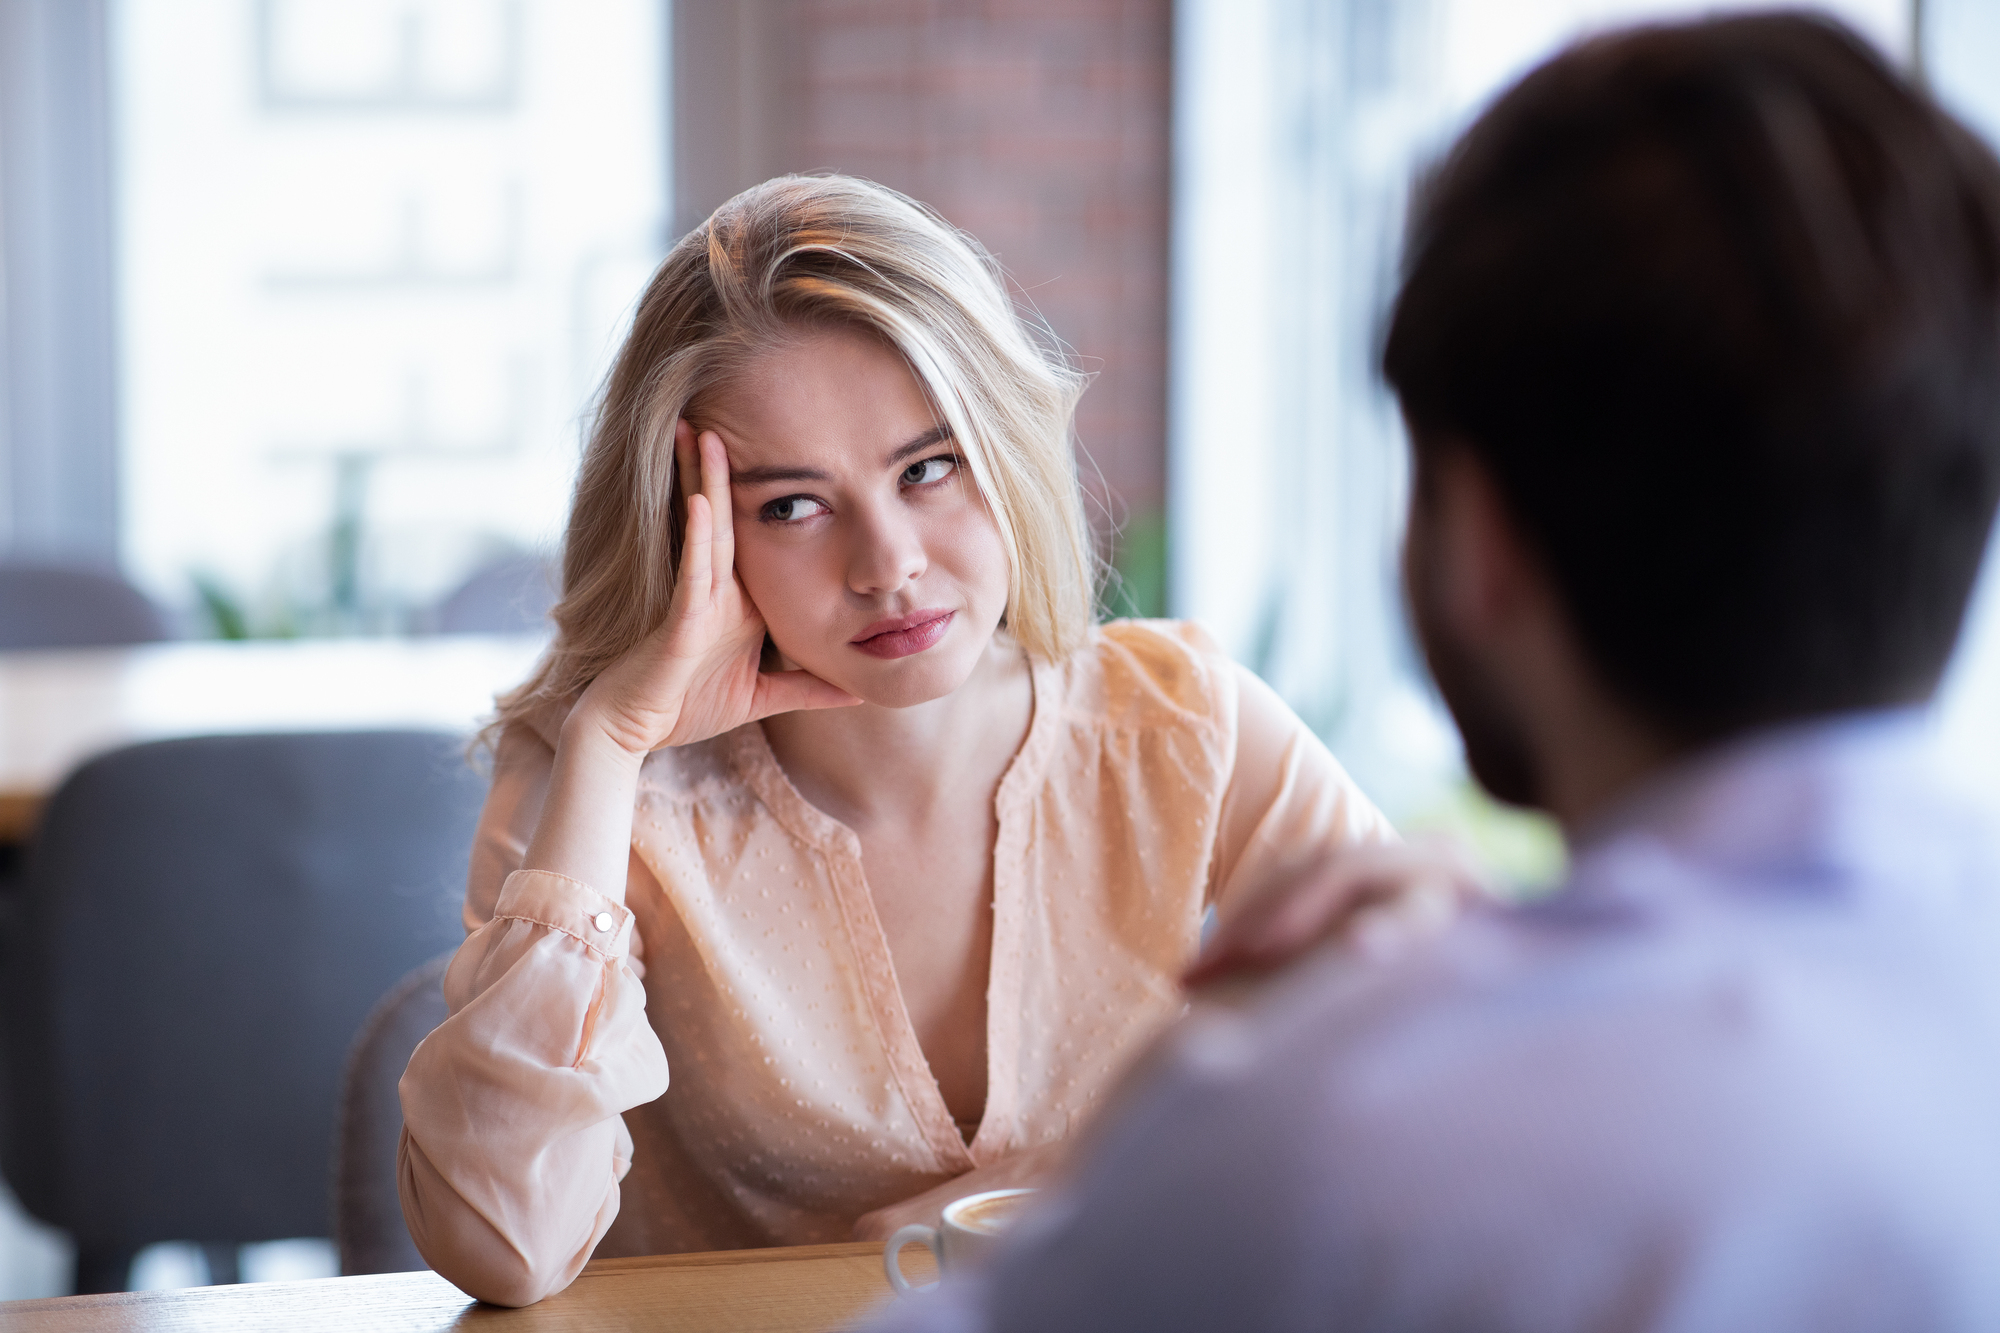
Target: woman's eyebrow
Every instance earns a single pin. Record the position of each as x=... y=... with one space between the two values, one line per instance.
x=934 y=436
x=760 y=476
x=763 y=476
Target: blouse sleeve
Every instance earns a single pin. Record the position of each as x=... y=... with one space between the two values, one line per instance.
x=513 y=1145
x=1289 y=802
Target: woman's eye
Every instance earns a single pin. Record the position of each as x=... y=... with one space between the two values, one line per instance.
x=931 y=469
x=793 y=508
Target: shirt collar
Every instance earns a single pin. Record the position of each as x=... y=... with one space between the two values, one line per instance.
x=1828 y=795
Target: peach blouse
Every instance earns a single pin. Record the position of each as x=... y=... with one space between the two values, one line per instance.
x=744 y=954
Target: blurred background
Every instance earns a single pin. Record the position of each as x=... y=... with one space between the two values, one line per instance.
x=305 y=301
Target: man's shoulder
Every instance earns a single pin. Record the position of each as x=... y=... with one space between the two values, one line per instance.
x=1538 y=1082
x=1611 y=986
x=1747 y=1102
x=1582 y=1044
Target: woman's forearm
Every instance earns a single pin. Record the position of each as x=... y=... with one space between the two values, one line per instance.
x=585 y=830
x=513 y=1142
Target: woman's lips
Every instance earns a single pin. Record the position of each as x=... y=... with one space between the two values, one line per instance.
x=904 y=635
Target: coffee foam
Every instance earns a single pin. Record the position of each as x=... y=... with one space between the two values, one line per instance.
x=989 y=1217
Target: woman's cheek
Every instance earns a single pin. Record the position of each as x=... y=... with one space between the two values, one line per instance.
x=787 y=593
x=763 y=580
x=978 y=555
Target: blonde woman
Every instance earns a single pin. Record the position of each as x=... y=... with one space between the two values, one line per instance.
x=829 y=796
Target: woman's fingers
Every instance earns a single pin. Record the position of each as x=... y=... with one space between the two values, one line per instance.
x=719 y=652
x=715 y=485
x=692 y=590
x=1277 y=926
x=1372 y=896
x=687 y=460
x=1388 y=928
x=794 y=691
x=695 y=579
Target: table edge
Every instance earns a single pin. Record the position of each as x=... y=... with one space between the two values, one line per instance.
x=846 y=1249
x=864 y=1249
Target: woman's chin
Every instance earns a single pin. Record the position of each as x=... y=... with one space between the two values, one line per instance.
x=904 y=692
x=908 y=681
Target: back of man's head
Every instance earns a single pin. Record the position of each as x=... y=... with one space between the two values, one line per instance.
x=1718 y=306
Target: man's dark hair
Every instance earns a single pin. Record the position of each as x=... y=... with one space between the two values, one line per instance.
x=1718 y=306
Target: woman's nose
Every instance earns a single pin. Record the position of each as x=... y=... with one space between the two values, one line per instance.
x=888 y=552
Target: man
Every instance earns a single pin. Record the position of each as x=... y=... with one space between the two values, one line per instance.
x=1699 y=345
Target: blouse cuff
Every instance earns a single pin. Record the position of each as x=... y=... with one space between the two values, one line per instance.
x=602 y=925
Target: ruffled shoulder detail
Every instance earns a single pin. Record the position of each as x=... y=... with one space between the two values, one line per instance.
x=1137 y=673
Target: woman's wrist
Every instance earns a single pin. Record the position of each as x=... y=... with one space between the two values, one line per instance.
x=585 y=829
x=598 y=735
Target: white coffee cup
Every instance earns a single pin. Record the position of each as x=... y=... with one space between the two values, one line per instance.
x=969 y=1228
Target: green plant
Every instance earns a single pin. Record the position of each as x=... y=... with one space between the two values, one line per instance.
x=227 y=618
x=229 y=615
x=1137 y=585
x=1523 y=849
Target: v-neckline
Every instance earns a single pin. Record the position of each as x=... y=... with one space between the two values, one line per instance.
x=757 y=764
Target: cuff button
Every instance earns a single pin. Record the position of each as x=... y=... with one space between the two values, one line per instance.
x=602 y=921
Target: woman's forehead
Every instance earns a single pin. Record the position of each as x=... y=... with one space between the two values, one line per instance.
x=835 y=396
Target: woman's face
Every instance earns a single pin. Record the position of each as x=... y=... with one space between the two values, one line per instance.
x=859 y=533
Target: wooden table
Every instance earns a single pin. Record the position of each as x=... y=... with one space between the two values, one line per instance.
x=59 y=708
x=801 y=1290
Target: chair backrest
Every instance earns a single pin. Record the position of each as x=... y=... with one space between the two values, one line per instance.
x=511 y=596
x=367 y=1211
x=204 y=925
x=55 y=606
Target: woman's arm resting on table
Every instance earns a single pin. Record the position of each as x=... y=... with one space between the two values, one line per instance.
x=513 y=1144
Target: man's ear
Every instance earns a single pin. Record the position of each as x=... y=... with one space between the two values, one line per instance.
x=1486 y=577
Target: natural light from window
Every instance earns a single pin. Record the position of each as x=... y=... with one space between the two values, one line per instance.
x=373 y=255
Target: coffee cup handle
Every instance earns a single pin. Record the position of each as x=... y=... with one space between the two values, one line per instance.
x=914 y=1234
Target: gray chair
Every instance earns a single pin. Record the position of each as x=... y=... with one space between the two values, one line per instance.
x=56 y=606
x=510 y=596
x=367 y=1211
x=204 y=926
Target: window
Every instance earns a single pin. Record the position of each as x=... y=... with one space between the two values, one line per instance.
x=1961 y=44
x=373 y=256
x=1299 y=125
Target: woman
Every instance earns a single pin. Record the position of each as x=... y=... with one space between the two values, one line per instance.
x=829 y=797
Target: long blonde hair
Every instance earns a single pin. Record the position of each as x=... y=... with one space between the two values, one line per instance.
x=793 y=254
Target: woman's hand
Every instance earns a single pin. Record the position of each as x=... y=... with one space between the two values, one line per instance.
x=693 y=677
x=697 y=675
x=1028 y=1169
x=1377 y=898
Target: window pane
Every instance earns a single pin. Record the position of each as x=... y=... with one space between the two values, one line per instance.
x=1298 y=127
x=374 y=254
x=1961 y=52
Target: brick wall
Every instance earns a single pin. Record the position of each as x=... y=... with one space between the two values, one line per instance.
x=1041 y=126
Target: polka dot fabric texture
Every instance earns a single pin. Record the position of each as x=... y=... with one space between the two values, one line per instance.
x=800 y=1097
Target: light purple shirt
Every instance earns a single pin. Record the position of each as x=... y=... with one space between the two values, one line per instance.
x=1743 y=1072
